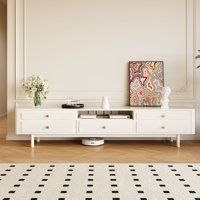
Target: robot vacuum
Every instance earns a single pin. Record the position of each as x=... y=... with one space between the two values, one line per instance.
x=93 y=141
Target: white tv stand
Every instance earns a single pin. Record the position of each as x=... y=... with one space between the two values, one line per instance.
x=143 y=122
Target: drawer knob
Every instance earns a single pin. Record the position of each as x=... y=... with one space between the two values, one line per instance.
x=47 y=127
x=47 y=116
x=162 y=127
x=103 y=127
x=163 y=116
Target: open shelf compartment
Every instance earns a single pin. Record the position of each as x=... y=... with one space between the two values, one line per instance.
x=110 y=114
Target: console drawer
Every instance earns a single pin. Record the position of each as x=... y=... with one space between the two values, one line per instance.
x=163 y=114
x=104 y=126
x=47 y=126
x=48 y=115
x=164 y=126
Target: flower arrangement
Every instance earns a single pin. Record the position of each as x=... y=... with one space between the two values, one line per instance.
x=36 y=88
x=197 y=57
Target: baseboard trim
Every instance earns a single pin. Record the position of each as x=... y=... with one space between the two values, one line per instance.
x=183 y=137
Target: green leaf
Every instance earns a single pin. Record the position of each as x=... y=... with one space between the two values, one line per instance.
x=198 y=66
x=198 y=56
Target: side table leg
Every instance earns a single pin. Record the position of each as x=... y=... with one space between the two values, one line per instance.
x=32 y=141
x=178 y=140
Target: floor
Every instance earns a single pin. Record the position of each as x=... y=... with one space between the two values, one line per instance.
x=112 y=151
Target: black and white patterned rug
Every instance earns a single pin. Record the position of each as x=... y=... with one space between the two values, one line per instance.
x=100 y=181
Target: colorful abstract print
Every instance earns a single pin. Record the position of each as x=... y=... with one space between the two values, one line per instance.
x=146 y=83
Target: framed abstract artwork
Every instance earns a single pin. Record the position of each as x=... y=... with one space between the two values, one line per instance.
x=146 y=82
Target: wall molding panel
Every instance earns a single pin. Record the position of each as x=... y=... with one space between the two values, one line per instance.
x=186 y=92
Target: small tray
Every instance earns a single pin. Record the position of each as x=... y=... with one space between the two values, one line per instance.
x=79 y=105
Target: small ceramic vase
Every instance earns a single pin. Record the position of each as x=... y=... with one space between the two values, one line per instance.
x=105 y=103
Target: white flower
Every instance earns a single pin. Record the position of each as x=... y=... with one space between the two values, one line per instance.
x=35 y=84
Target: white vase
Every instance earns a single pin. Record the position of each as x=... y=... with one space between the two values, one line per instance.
x=105 y=103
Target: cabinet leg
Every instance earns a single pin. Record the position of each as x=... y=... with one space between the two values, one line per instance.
x=32 y=141
x=171 y=139
x=178 y=140
x=38 y=139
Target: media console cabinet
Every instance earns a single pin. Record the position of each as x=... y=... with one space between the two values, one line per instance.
x=143 y=122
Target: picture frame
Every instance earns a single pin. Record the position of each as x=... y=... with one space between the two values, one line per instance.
x=146 y=80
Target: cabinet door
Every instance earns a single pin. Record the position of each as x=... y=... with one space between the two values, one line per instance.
x=47 y=115
x=154 y=114
x=47 y=126
x=164 y=126
x=105 y=126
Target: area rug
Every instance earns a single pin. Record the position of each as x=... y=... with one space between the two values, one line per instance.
x=100 y=181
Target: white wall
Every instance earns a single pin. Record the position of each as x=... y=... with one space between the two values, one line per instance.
x=83 y=47
x=3 y=58
x=90 y=42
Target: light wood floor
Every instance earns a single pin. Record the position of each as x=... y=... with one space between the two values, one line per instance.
x=112 y=151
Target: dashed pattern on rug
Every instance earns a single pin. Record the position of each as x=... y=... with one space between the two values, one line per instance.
x=100 y=181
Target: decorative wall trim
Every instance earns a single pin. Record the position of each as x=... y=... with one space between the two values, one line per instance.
x=20 y=44
x=189 y=55
x=17 y=56
x=186 y=92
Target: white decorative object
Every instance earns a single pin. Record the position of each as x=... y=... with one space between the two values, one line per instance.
x=71 y=101
x=165 y=97
x=36 y=88
x=147 y=122
x=105 y=103
x=93 y=141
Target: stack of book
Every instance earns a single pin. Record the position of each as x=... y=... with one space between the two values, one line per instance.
x=119 y=116
x=88 y=116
